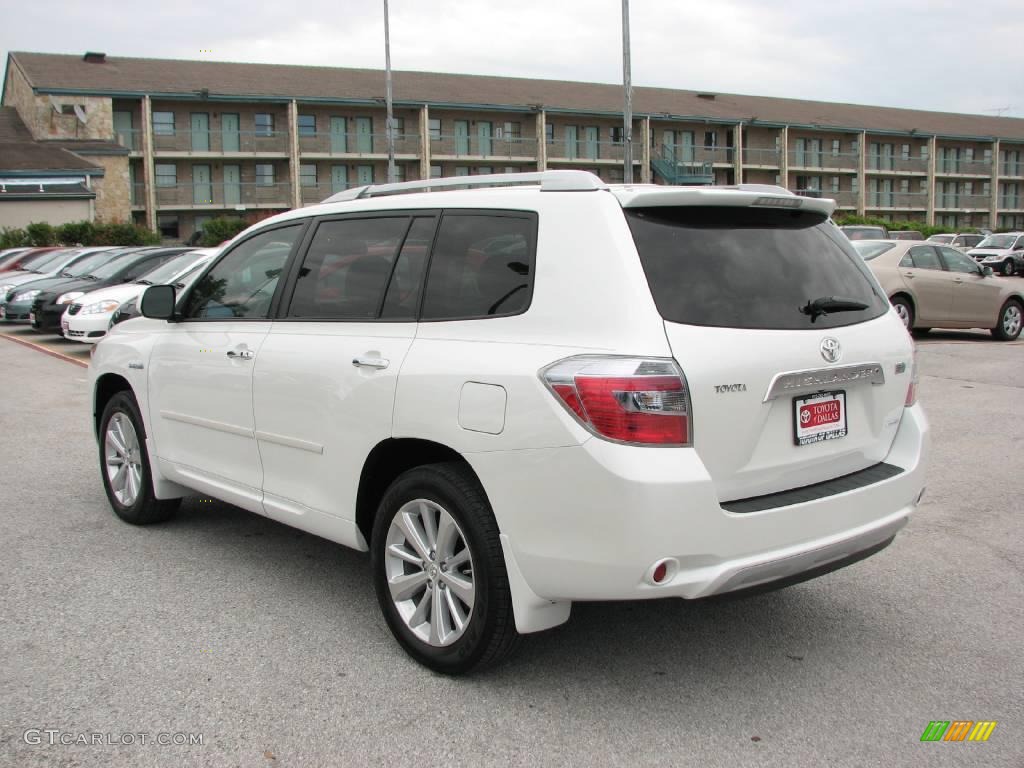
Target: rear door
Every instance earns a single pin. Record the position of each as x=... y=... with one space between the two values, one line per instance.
x=975 y=297
x=734 y=286
x=326 y=375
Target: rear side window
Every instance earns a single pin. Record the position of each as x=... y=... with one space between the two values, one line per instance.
x=482 y=265
x=925 y=257
x=749 y=267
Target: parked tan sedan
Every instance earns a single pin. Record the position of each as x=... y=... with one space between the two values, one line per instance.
x=936 y=286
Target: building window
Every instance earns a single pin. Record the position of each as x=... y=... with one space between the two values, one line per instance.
x=710 y=139
x=924 y=186
x=986 y=188
x=969 y=154
x=163 y=123
x=924 y=151
x=617 y=135
x=264 y=175
x=854 y=147
x=511 y=169
x=905 y=152
x=435 y=172
x=855 y=185
x=968 y=187
x=462 y=170
x=835 y=183
x=484 y=170
x=264 y=124
x=397 y=127
x=510 y=131
x=434 y=128
x=307 y=174
x=168 y=226
x=166 y=175
x=988 y=156
x=307 y=125
x=549 y=132
x=836 y=147
x=905 y=186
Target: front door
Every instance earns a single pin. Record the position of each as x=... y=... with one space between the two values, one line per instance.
x=590 y=137
x=339 y=137
x=461 y=137
x=339 y=178
x=200 y=132
x=232 y=185
x=200 y=371
x=483 y=132
x=229 y=124
x=932 y=286
x=571 y=142
x=345 y=335
x=202 y=190
x=364 y=135
x=364 y=173
x=975 y=297
x=123 y=129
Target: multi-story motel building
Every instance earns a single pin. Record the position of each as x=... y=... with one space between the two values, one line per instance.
x=177 y=142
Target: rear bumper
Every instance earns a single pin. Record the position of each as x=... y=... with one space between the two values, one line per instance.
x=591 y=522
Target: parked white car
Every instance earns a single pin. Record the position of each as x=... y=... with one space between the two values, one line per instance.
x=63 y=259
x=88 y=318
x=1003 y=252
x=520 y=397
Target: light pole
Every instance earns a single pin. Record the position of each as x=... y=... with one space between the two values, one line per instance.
x=627 y=127
x=387 y=96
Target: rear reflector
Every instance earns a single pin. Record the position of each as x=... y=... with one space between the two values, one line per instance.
x=627 y=399
x=912 y=387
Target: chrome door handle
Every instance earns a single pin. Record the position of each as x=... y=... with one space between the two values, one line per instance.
x=245 y=354
x=370 y=362
x=909 y=275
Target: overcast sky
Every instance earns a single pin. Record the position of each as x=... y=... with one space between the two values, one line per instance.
x=947 y=55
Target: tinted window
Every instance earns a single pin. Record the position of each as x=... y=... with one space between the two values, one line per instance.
x=89 y=263
x=403 y=295
x=481 y=266
x=144 y=265
x=115 y=265
x=749 y=267
x=347 y=268
x=242 y=283
x=925 y=257
x=958 y=262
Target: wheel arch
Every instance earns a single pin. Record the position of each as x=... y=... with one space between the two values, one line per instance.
x=107 y=385
x=908 y=297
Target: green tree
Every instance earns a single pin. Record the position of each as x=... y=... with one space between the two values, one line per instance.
x=41 y=234
x=216 y=231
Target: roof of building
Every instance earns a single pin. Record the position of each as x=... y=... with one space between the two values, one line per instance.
x=113 y=75
x=21 y=155
x=44 y=190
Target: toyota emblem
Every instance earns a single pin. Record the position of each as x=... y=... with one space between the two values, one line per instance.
x=831 y=350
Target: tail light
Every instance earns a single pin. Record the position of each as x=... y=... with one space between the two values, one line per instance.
x=626 y=399
x=912 y=387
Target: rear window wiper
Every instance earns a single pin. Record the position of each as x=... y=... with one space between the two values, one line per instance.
x=817 y=307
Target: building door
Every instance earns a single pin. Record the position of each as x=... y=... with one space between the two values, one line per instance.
x=339 y=137
x=571 y=142
x=339 y=178
x=232 y=185
x=364 y=173
x=202 y=190
x=461 y=137
x=123 y=129
x=590 y=143
x=229 y=124
x=200 y=132
x=364 y=135
x=484 y=132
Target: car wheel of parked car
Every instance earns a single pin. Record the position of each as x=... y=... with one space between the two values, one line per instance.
x=124 y=464
x=1011 y=317
x=1008 y=268
x=439 y=572
x=904 y=310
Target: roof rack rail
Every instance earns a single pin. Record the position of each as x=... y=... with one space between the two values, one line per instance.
x=771 y=188
x=550 y=181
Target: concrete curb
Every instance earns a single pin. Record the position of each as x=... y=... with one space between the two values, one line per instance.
x=44 y=350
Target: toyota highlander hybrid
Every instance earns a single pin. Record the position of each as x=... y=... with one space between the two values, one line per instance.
x=530 y=391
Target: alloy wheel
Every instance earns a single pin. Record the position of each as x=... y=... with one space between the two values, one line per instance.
x=1012 y=320
x=904 y=313
x=122 y=458
x=429 y=572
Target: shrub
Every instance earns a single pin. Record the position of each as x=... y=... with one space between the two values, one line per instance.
x=77 y=233
x=216 y=231
x=12 y=237
x=119 y=233
x=41 y=234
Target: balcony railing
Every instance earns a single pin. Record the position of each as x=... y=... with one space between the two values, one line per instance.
x=896 y=164
x=358 y=144
x=807 y=159
x=915 y=201
x=317 y=193
x=130 y=139
x=560 y=149
x=1011 y=202
x=506 y=147
x=972 y=167
x=1011 y=169
x=686 y=154
x=955 y=201
x=213 y=141
x=769 y=157
x=227 y=195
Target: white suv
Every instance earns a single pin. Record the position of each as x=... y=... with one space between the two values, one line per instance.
x=525 y=395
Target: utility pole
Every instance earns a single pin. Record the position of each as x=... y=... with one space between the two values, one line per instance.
x=627 y=84
x=391 y=117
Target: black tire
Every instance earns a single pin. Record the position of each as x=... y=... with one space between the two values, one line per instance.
x=900 y=302
x=490 y=635
x=146 y=508
x=1009 y=268
x=1000 y=331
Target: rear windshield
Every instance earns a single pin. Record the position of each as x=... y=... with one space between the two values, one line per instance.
x=750 y=267
x=869 y=250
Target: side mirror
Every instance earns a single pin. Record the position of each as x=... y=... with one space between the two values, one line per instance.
x=158 y=302
x=987 y=272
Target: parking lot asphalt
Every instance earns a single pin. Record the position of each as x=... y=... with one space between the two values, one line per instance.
x=269 y=643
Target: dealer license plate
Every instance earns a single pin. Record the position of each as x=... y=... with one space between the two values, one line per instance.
x=819 y=417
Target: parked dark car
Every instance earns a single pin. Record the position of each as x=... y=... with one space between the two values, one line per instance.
x=49 y=305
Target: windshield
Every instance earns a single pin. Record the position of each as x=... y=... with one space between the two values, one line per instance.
x=38 y=263
x=997 y=241
x=83 y=267
x=168 y=270
x=114 y=266
x=869 y=250
x=750 y=267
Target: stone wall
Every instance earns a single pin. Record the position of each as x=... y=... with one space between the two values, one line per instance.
x=38 y=113
x=113 y=191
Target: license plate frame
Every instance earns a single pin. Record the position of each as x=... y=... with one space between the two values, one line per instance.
x=824 y=430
